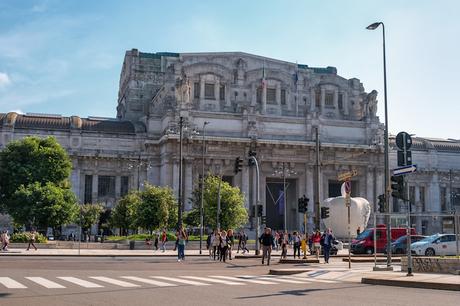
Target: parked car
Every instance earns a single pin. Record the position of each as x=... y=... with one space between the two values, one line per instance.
x=435 y=245
x=399 y=246
x=364 y=243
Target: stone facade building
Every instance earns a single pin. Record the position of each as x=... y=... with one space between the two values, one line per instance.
x=251 y=103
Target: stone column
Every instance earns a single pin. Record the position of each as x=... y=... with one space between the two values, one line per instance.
x=278 y=94
x=245 y=185
x=370 y=186
x=323 y=99
x=94 y=195
x=202 y=92
x=175 y=178
x=434 y=203
x=253 y=94
x=418 y=206
x=312 y=99
x=217 y=93
x=75 y=180
x=345 y=103
x=264 y=99
x=336 y=101
x=117 y=186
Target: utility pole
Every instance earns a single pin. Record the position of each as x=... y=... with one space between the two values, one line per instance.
x=202 y=187
x=317 y=189
x=179 y=202
x=285 y=198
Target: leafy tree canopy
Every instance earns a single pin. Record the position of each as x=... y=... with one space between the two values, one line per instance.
x=90 y=214
x=123 y=214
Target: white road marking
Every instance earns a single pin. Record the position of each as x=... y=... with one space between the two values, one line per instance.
x=280 y=280
x=80 y=282
x=213 y=280
x=148 y=281
x=45 y=282
x=114 y=281
x=11 y=283
x=312 y=279
x=236 y=279
x=182 y=281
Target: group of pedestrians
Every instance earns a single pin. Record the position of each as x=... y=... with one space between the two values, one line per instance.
x=323 y=241
x=220 y=244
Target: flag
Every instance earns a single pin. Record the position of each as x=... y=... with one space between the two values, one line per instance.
x=280 y=202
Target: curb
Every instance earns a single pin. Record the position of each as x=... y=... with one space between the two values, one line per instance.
x=410 y=284
x=295 y=261
x=98 y=255
x=371 y=259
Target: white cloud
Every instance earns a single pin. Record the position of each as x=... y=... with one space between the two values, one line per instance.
x=4 y=79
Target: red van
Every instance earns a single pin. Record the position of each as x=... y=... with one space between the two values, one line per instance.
x=364 y=243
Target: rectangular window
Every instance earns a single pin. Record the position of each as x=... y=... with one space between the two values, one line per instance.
x=222 y=92
x=442 y=195
x=318 y=98
x=422 y=198
x=196 y=90
x=271 y=95
x=106 y=186
x=124 y=188
x=283 y=96
x=329 y=101
x=88 y=188
x=259 y=95
x=209 y=91
x=340 y=101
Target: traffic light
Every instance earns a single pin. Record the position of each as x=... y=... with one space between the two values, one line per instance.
x=303 y=204
x=397 y=187
x=324 y=212
x=252 y=154
x=238 y=165
x=381 y=203
x=260 y=210
x=264 y=220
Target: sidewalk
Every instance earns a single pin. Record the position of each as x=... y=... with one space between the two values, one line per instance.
x=99 y=253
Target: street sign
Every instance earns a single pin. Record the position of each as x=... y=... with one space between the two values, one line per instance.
x=347 y=175
x=404 y=170
x=403 y=141
x=347 y=187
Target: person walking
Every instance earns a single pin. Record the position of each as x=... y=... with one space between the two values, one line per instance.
x=215 y=242
x=155 y=243
x=328 y=240
x=244 y=242
x=5 y=240
x=266 y=240
x=32 y=237
x=277 y=239
x=181 y=240
x=231 y=242
x=223 y=246
x=296 y=244
x=164 y=239
x=316 y=239
x=284 y=245
x=208 y=243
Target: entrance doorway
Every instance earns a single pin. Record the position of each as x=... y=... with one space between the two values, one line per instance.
x=275 y=206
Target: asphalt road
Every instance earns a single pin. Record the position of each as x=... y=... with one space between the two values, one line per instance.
x=197 y=281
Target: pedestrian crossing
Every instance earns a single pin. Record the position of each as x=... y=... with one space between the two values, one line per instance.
x=126 y=281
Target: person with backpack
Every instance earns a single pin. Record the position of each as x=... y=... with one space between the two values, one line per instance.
x=327 y=241
x=267 y=242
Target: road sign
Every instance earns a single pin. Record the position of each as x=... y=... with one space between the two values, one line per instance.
x=404 y=170
x=347 y=175
x=403 y=141
x=347 y=187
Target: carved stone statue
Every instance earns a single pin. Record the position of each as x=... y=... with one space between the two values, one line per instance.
x=371 y=101
x=183 y=88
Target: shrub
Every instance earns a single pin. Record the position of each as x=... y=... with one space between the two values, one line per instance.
x=24 y=237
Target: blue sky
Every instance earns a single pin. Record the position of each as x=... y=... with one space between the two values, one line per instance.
x=65 y=57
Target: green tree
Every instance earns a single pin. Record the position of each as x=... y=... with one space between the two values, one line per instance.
x=156 y=208
x=44 y=206
x=123 y=214
x=31 y=160
x=233 y=213
x=90 y=214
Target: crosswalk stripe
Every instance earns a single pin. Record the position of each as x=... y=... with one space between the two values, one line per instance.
x=80 y=282
x=213 y=280
x=255 y=281
x=45 y=282
x=182 y=281
x=149 y=281
x=114 y=281
x=312 y=279
x=280 y=280
x=11 y=283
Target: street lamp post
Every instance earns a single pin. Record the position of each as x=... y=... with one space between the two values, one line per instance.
x=374 y=26
x=284 y=171
x=179 y=202
x=202 y=185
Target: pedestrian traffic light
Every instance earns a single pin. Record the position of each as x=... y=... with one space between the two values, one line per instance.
x=324 y=212
x=397 y=187
x=381 y=203
x=238 y=165
x=260 y=210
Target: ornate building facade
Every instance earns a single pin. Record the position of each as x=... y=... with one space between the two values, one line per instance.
x=253 y=103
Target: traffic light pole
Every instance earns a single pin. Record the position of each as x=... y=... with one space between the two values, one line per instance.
x=348 y=204
x=256 y=212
